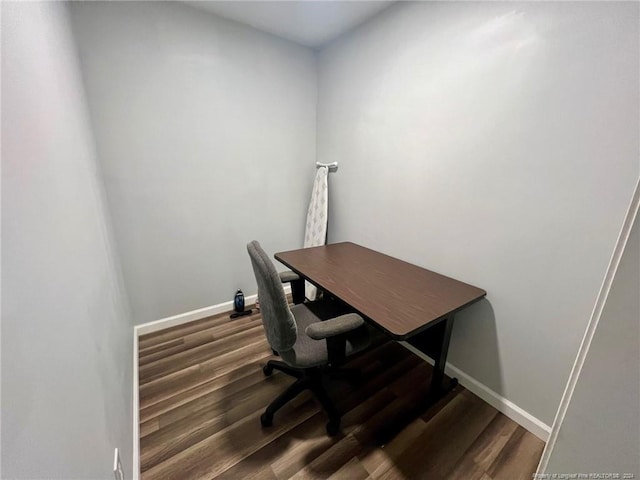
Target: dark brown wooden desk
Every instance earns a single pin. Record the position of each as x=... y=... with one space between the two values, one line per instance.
x=405 y=301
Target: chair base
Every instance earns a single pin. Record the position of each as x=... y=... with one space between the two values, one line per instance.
x=307 y=379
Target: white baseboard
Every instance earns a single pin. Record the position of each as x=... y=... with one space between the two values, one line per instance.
x=193 y=315
x=187 y=317
x=508 y=408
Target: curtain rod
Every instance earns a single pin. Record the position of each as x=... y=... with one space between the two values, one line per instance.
x=328 y=165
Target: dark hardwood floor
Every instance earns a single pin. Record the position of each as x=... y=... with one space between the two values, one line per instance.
x=202 y=391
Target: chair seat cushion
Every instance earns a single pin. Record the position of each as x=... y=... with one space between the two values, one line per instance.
x=307 y=352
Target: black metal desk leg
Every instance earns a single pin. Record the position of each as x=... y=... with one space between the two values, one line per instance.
x=297 y=291
x=440 y=358
x=433 y=342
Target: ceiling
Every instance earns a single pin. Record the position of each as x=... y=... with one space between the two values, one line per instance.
x=308 y=22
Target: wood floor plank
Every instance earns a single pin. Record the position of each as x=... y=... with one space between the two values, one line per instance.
x=467 y=469
x=490 y=443
x=292 y=453
x=219 y=452
x=235 y=379
x=203 y=392
x=155 y=338
x=198 y=338
x=291 y=446
x=295 y=454
x=259 y=473
x=175 y=435
x=200 y=354
x=381 y=461
x=142 y=354
x=306 y=452
x=331 y=460
x=459 y=438
x=408 y=459
x=484 y=450
x=148 y=428
x=352 y=470
x=448 y=434
x=232 y=398
x=195 y=375
x=359 y=435
x=367 y=433
x=301 y=450
x=519 y=457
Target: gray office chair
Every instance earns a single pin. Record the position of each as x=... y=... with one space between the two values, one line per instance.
x=310 y=348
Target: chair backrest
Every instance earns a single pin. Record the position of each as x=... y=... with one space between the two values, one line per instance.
x=277 y=319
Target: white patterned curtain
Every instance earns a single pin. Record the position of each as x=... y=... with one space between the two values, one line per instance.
x=316 y=228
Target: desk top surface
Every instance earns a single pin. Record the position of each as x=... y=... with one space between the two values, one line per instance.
x=400 y=297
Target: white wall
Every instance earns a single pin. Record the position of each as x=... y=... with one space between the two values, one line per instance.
x=600 y=432
x=496 y=143
x=67 y=345
x=206 y=132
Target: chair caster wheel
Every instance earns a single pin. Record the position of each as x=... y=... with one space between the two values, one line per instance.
x=266 y=420
x=333 y=427
x=267 y=370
